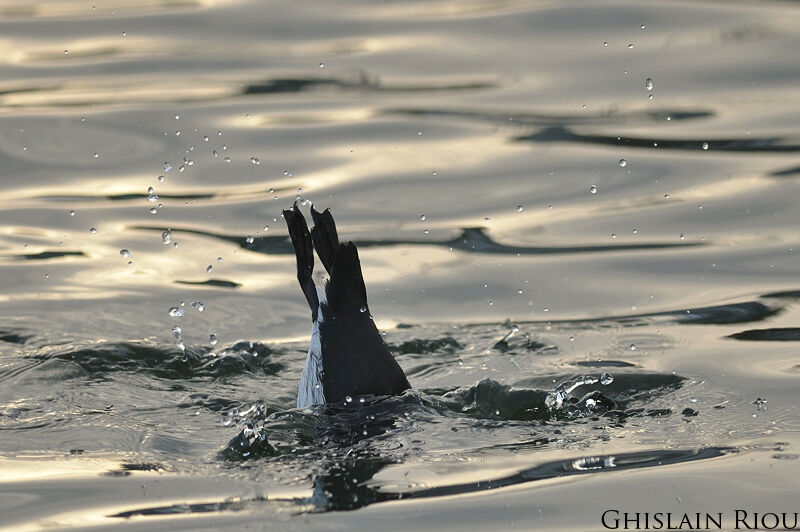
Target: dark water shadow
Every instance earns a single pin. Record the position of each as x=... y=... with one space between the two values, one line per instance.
x=783 y=334
x=764 y=144
x=577 y=466
x=100 y=361
x=786 y=294
x=361 y=83
x=14 y=337
x=745 y=312
x=545 y=119
x=122 y=197
x=470 y=240
x=47 y=255
x=219 y=283
x=786 y=172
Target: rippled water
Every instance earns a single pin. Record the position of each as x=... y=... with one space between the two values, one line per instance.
x=542 y=193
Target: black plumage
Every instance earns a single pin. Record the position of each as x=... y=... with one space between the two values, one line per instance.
x=355 y=359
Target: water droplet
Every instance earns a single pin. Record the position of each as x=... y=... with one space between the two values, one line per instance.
x=125 y=253
x=153 y=210
x=666 y=196
x=176 y=312
x=632 y=347
x=181 y=168
x=152 y=198
x=520 y=291
x=520 y=208
x=422 y=217
x=605 y=43
x=124 y=33
x=250 y=239
x=199 y=306
x=72 y=213
x=322 y=65
x=623 y=163
x=219 y=259
x=650 y=97
x=177 y=335
x=682 y=237
x=362 y=309
x=166 y=237
x=630 y=45
x=635 y=231
x=705 y=145
x=606 y=379
x=227 y=159
x=593 y=189
x=613 y=235
x=177 y=132
x=255 y=160
x=209 y=268
x=66 y=52
x=167 y=167
x=96 y=155
x=348 y=399
x=648 y=84
x=93 y=230
x=491 y=303
x=693 y=399
x=266 y=228
x=212 y=338
x=161 y=179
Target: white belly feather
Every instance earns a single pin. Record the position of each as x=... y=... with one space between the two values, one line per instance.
x=311 y=392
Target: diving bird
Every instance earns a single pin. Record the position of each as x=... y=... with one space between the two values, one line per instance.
x=347 y=356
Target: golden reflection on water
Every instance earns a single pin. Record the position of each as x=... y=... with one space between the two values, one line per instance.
x=86 y=8
x=119 y=91
x=449 y=9
x=24 y=468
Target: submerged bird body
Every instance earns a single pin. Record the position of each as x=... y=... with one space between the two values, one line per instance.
x=347 y=355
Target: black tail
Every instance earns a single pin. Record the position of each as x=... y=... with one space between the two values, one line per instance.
x=355 y=359
x=304 y=250
x=324 y=236
x=346 y=291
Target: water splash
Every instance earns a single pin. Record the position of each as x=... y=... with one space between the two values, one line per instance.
x=556 y=399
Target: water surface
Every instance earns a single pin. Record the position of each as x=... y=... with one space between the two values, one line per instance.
x=541 y=193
